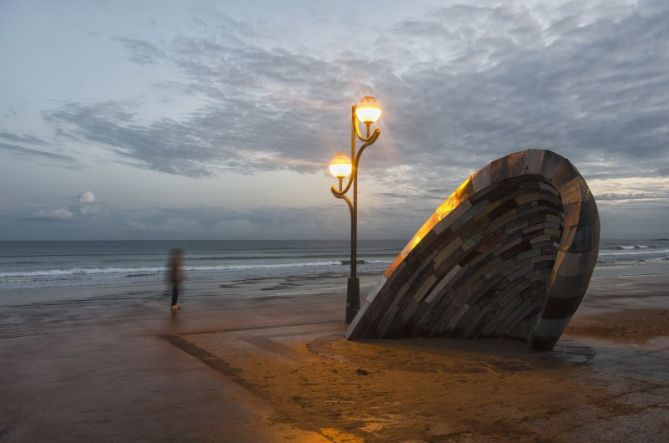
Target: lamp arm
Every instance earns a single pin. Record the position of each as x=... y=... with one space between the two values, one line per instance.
x=370 y=141
x=356 y=160
x=349 y=183
x=343 y=197
x=358 y=134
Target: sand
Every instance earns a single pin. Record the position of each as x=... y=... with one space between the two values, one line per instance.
x=265 y=360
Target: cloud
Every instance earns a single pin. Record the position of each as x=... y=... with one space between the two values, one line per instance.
x=461 y=86
x=141 y=51
x=15 y=138
x=265 y=222
x=617 y=196
x=269 y=222
x=641 y=192
x=274 y=222
x=54 y=214
x=85 y=206
x=588 y=86
x=86 y=198
x=261 y=109
x=36 y=153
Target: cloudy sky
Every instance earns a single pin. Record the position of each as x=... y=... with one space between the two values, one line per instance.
x=215 y=120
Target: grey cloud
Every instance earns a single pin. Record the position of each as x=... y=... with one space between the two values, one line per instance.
x=270 y=222
x=265 y=109
x=14 y=138
x=210 y=141
x=430 y=195
x=460 y=87
x=84 y=206
x=141 y=51
x=328 y=221
x=14 y=145
x=315 y=222
x=165 y=145
x=240 y=130
x=420 y=28
x=647 y=222
x=86 y=198
x=614 y=196
x=50 y=215
x=598 y=94
x=36 y=153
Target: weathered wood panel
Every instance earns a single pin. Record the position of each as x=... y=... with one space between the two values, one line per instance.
x=509 y=253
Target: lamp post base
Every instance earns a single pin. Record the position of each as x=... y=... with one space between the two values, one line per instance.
x=352 y=298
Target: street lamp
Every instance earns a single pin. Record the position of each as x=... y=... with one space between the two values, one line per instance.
x=366 y=111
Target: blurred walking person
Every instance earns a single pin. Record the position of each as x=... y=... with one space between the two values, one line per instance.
x=175 y=275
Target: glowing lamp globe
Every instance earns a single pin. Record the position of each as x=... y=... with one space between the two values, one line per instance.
x=368 y=110
x=340 y=166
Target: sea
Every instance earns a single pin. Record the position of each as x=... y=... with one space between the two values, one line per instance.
x=45 y=264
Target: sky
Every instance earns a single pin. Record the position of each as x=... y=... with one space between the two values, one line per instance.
x=216 y=120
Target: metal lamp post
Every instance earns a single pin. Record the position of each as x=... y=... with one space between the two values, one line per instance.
x=366 y=111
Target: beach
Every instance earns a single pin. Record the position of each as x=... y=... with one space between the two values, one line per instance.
x=334 y=221
x=265 y=360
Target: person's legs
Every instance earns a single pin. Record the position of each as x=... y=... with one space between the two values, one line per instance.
x=175 y=293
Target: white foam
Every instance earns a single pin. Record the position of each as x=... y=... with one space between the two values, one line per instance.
x=155 y=270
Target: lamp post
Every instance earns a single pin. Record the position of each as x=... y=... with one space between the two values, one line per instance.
x=341 y=166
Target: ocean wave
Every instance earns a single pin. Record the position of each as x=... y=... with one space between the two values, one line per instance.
x=632 y=255
x=160 y=269
x=342 y=256
x=631 y=247
x=632 y=252
x=78 y=271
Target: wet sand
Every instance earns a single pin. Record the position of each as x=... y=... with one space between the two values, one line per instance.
x=265 y=360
